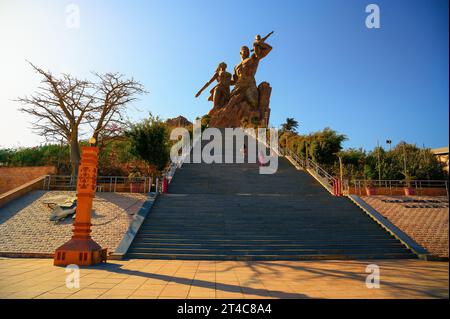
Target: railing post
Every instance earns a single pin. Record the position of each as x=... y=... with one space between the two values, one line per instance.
x=150 y=180
x=446 y=187
x=164 y=186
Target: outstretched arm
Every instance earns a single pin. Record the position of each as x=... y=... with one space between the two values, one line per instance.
x=265 y=38
x=214 y=77
x=262 y=50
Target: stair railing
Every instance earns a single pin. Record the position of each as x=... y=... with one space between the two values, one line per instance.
x=172 y=167
x=332 y=184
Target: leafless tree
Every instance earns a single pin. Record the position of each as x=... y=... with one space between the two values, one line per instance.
x=63 y=105
x=60 y=106
x=113 y=95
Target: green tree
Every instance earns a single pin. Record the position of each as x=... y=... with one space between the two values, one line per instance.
x=5 y=156
x=150 y=141
x=290 y=125
x=353 y=161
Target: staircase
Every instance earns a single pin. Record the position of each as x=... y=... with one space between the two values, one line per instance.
x=230 y=211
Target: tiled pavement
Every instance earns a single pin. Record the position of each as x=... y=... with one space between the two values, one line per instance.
x=426 y=224
x=25 y=226
x=38 y=278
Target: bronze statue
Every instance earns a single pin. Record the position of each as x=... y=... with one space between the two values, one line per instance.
x=247 y=104
x=220 y=94
x=260 y=42
x=244 y=72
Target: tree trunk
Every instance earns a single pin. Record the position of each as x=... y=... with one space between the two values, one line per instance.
x=74 y=154
x=95 y=136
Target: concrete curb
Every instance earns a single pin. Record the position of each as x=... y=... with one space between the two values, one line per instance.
x=133 y=229
x=25 y=255
x=418 y=250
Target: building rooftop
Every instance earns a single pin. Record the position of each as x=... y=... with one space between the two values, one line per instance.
x=440 y=150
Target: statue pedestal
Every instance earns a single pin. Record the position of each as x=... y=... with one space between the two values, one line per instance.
x=241 y=113
x=82 y=250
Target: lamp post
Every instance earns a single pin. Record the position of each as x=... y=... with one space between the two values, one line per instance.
x=379 y=163
x=389 y=142
x=341 y=167
x=81 y=249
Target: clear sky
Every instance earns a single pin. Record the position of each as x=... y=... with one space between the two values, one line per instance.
x=326 y=68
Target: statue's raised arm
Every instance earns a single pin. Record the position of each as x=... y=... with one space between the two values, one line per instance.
x=260 y=47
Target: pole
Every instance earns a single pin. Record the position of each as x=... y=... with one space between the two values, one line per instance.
x=82 y=250
x=379 y=163
x=404 y=160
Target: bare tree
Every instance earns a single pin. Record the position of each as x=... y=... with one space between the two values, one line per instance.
x=113 y=95
x=60 y=106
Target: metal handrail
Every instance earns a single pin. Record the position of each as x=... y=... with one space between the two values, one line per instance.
x=387 y=182
x=104 y=183
x=392 y=185
x=173 y=166
x=313 y=168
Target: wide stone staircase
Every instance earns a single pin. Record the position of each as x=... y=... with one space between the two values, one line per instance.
x=230 y=211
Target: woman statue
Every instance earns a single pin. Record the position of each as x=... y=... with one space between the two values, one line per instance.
x=220 y=94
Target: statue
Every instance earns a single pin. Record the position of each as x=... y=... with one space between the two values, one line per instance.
x=260 y=42
x=247 y=104
x=220 y=94
x=244 y=72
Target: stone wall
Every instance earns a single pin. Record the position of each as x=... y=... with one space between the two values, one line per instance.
x=35 y=184
x=12 y=177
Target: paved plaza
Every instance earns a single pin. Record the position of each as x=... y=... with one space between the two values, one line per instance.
x=25 y=228
x=425 y=220
x=38 y=278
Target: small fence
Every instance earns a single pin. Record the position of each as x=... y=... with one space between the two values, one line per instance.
x=112 y=184
x=397 y=187
x=377 y=187
x=115 y=184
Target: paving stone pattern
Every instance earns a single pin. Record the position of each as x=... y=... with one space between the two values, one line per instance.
x=25 y=226
x=425 y=220
x=192 y=279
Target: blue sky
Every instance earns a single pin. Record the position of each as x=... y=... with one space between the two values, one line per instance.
x=326 y=68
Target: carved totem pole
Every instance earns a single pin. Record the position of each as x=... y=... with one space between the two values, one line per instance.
x=82 y=250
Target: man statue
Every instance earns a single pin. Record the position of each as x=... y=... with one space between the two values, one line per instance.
x=244 y=73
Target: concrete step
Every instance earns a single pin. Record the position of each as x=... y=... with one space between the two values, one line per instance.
x=376 y=241
x=230 y=211
x=190 y=256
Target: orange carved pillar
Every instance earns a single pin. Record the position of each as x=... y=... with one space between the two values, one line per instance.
x=82 y=250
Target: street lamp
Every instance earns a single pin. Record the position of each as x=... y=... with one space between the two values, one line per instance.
x=389 y=142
